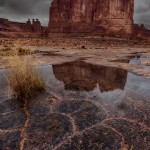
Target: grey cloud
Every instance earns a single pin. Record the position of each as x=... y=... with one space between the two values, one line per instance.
x=21 y=10
x=2 y=2
x=142 y=12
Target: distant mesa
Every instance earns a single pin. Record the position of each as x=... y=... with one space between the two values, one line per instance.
x=82 y=17
x=10 y=28
x=35 y=26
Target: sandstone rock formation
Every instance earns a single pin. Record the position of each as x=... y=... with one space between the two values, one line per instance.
x=141 y=32
x=12 y=29
x=89 y=16
x=9 y=26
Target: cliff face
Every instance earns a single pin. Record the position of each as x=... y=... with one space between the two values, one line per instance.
x=91 y=15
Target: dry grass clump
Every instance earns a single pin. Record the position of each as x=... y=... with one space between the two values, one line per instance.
x=23 y=51
x=16 y=50
x=24 y=80
x=6 y=51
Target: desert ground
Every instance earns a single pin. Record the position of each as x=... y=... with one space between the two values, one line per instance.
x=97 y=96
x=99 y=51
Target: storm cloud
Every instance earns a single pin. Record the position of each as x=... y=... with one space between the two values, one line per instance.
x=21 y=10
x=142 y=12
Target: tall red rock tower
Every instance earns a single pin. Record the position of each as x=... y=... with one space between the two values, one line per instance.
x=91 y=16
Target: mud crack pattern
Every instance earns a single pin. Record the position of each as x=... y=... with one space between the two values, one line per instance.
x=76 y=120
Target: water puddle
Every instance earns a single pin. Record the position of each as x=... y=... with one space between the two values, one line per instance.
x=48 y=53
x=141 y=60
x=128 y=58
x=144 y=60
x=84 y=77
x=81 y=76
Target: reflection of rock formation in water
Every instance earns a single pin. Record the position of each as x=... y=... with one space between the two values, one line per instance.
x=82 y=76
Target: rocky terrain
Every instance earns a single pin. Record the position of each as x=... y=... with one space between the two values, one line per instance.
x=78 y=42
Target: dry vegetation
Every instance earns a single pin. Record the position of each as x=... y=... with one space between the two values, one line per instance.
x=15 y=50
x=24 y=80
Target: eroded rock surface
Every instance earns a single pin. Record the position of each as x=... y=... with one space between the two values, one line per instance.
x=91 y=16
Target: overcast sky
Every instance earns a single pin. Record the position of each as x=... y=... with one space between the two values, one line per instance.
x=21 y=10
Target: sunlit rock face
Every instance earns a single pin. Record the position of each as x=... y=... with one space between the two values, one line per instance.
x=105 y=16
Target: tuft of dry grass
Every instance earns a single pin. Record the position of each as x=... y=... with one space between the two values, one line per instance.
x=23 y=51
x=24 y=80
x=16 y=50
x=6 y=51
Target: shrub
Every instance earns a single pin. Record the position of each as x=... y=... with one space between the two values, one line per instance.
x=24 y=80
x=22 y=51
x=17 y=50
x=6 y=51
